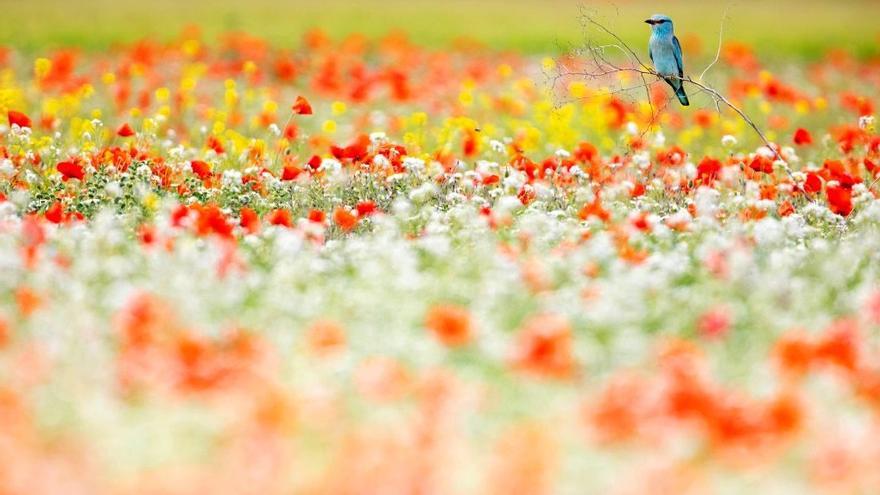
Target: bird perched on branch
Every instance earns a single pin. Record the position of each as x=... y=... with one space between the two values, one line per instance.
x=665 y=52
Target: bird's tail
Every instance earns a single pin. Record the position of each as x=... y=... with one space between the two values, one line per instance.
x=682 y=96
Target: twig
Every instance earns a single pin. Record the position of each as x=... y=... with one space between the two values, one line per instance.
x=720 y=42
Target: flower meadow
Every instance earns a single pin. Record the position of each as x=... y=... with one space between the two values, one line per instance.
x=364 y=266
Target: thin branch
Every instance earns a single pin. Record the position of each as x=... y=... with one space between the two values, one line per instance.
x=720 y=42
x=614 y=35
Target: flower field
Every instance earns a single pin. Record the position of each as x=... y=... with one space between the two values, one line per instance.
x=359 y=265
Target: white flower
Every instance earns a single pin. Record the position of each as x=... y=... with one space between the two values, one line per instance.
x=113 y=189
x=515 y=179
x=632 y=128
x=766 y=152
x=642 y=160
x=231 y=178
x=728 y=141
x=706 y=200
x=330 y=165
x=414 y=165
x=6 y=167
x=381 y=162
x=422 y=193
x=578 y=172
x=659 y=139
x=508 y=204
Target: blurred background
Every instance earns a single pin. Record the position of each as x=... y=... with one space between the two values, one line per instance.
x=778 y=27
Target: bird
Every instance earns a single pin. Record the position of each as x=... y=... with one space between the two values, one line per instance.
x=665 y=52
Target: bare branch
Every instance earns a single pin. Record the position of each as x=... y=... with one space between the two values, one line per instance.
x=720 y=42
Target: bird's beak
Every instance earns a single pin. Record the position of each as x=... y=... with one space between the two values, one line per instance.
x=649 y=21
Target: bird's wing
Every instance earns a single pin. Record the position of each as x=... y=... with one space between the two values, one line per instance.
x=678 y=60
x=650 y=53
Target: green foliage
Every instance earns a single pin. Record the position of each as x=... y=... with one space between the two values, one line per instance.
x=783 y=27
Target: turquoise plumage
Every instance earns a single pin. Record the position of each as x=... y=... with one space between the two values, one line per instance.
x=665 y=52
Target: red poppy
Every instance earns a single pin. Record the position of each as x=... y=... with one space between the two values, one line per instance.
x=291 y=131
x=18 y=118
x=840 y=345
x=71 y=170
x=290 y=172
x=840 y=200
x=708 y=170
x=366 y=208
x=314 y=162
x=451 y=324
x=785 y=209
x=545 y=347
x=586 y=153
x=595 y=209
x=280 y=217
x=802 y=137
x=491 y=179
x=179 y=213
x=345 y=219
x=212 y=220
x=147 y=234
x=761 y=164
x=201 y=169
x=250 y=221
x=813 y=184
x=302 y=106
x=125 y=130
x=317 y=216
x=325 y=336
x=215 y=145
x=55 y=213
x=714 y=323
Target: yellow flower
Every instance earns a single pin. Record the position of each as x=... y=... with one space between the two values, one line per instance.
x=578 y=89
x=338 y=108
x=190 y=47
x=150 y=201
x=150 y=125
x=329 y=126
x=42 y=66
x=86 y=91
x=51 y=106
x=466 y=98
x=418 y=119
x=411 y=139
x=162 y=95
x=230 y=97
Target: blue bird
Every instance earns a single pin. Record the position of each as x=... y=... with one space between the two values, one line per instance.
x=665 y=52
